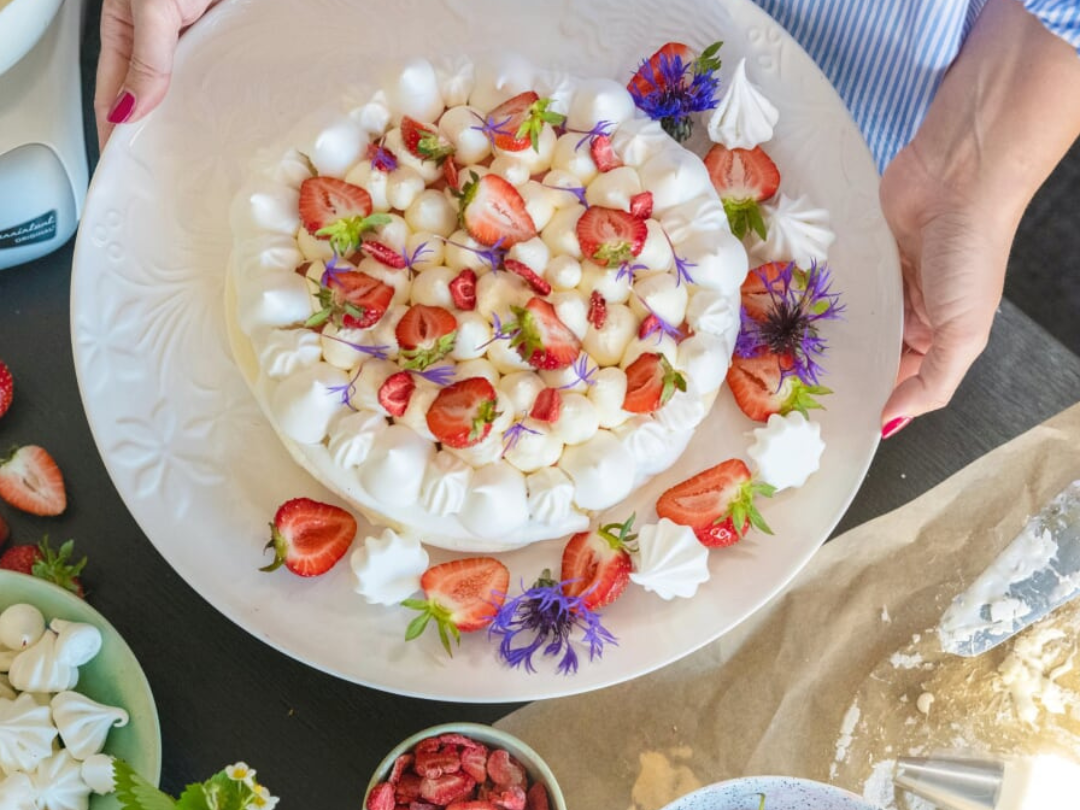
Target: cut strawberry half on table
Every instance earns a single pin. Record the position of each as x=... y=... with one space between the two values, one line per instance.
x=651 y=381
x=425 y=335
x=337 y=211
x=396 y=391
x=309 y=537
x=42 y=562
x=743 y=178
x=756 y=299
x=596 y=565
x=7 y=388
x=717 y=503
x=462 y=596
x=462 y=412
x=609 y=236
x=463 y=290
x=351 y=299
x=493 y=211
x=542 y=340
x=515 y=125
x=31 y=481
x=761 y=389
x=424 y=141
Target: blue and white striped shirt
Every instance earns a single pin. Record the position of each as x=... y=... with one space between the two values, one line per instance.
x=886 y=58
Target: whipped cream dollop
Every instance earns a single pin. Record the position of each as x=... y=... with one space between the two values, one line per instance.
x=84 y=724
x=670 y=561
x=26 y=733
x=797 y=230
x=787 y=450
x=445 y=485
x=59 y=785
x=388 y=567
x=744 y=118
x=550 y=495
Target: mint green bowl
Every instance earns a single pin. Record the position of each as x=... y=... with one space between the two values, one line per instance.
x=491 y=737
x=114 y=677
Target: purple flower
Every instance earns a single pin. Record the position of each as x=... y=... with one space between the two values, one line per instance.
x=682 y=270
x=655 y=325
x=602 y=128
x=382 y=159
x=543 y=620
x=670 y=90
x=513 y=435
x=332 y=272
x=493 y=257
x=491 y=128
x=501 y=331
x=582 y=372
x=627 y=269
x=577 y=191
x=440 y=375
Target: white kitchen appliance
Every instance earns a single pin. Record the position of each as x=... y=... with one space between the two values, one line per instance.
x=43 y=170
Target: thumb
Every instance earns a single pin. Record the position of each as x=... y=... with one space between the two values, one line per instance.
x=154 y=32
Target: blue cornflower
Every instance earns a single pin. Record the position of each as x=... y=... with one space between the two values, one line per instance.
x=669 y=90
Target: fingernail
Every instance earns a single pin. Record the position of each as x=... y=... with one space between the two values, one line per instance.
x=894 y=426
x=122 y=108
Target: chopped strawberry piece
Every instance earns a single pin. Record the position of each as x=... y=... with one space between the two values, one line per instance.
x=381 y=797
x=505 y=771
x=641 y=205
x=760 y=388
x=474 y=761
x=650 y=382
x=476 y=804
x=650 y=325
x=505 y=122
x=717 y=503
x=596 y=565
x=463 y=290
x=597 y=309
x=645 y=81
x=447 y=789
x=548 y=406
x=493 y=211
x=381 y=158
x=462 y=412
x=451 y=174
x=609 y=236
x=422 y=806
x=407 y=788
x=425 y=335
x=30 y=480
x=309 y=537
x=462 y=596
x=383 y=254
x=325 y=200
x=396 y=391
x=537 y=798
x=512 y=798
x=424 y=141
x=453 y=738
x=542 y=340
x=532 y=278
x=433 y=763
x=603 y=154
x=7 y=388
x=743 y=178
x=756 y=299
x=400 y=764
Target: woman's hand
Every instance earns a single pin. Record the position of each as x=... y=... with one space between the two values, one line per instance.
x=138 y=41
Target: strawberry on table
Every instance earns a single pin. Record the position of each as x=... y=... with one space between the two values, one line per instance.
x=338 y=211
x=42 y=562
x=717 y=503
x=351 y=299
x=424 y=141
x=743 y=178
x=31 y=481
x=515 y=125
x=651 y=381
x=761 y=388
x=493 y=211
x=596 y=565
x=609 y=236
x=461 y=596
x=309 y=537
x=7 y=388
x=462 y=412
x=425 y=335
x=542 y=340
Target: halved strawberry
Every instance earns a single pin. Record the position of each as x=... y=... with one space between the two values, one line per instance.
x=463 y=290
x=351 y=299
x=462 y=412
x=396 y=391
x=338 y=211
x=650 y=78
x=743 y=178
x=537 y=282
x=609 y=236
x=383 y=254
x=760 y=388
x=42 y=562
x=463 y=595
x=717 y=503
x=424 y=141
x=7 y=388
x=515 y=125
x=425 y=335
x=309 y=537
x=493 y=211
x=603 y=153
x=597 y=309
x=548 y=406
x=542 y=340
x=756 y=299
x=641 y=204
x=650 y=382
x=596 y=565
x=671 y=73
x=31 y=481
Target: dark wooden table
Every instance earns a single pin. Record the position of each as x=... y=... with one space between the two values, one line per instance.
x=222 y=695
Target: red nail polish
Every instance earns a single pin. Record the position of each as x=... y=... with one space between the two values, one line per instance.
x=122 y=108
x=894 y=426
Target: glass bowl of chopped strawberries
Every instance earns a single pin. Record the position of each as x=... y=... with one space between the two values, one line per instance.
x=465 y=765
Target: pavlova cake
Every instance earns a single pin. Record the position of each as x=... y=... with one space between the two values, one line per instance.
x=487 y=303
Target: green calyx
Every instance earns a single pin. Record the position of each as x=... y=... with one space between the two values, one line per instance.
x=346 y=233
x=617 y=535
x=708 y=61
x=333 y=309
x=432 y=147
x=679 y=127
x=420 y=358
x=673 y=380
x=536 y=116
x=57 y=567
x=744 y=216
x=742 y=508
x=280 y=547
x=527 y=339
x=798 y=396
x=430 y=609
x=614 y=253
x=485 y=415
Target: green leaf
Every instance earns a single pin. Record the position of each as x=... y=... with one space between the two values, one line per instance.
x=744 y=216
x=418 y=625
x=135 y=793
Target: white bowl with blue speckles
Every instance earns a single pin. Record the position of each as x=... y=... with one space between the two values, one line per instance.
x=780 y=792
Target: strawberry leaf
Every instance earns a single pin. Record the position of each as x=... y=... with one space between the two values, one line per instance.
x=135 y=793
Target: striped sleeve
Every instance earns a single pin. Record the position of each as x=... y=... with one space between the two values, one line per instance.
x=1062 y=17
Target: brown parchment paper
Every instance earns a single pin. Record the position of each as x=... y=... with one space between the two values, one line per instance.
x=775 y=696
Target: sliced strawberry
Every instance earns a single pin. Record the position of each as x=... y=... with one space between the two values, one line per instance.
x=493 y=211
x=407 y=788
x=435 y=762
x=309 y=537
x=425 y=335
x=743 y=178
x=7 y=388
x=597 y=309
x=537 y=798
x=42 y=562
x=760 y=388
x=516 y=124
x=351 y=299
x=596 y=565
x=424 y=141
x=400 y=764
x=338 y=211
x=641 y=204
x=542 y=340
x=451 y=174
x=381 y=797
x=383 y=254
x=505 y=771
x=510 y=798
x=463 y=290
x=717 y=503
x=396 y=391
x=603 y=153
x=650 y=382
x=462 y=596
x=609 y=236
x=462 y=412
x=447 y=789
x=548 y=406
x=756 y=299
x=645 y=80
x=650 y=325
x=474 y=761
x=476 y=804
x=31 y=481
x=538 y=284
